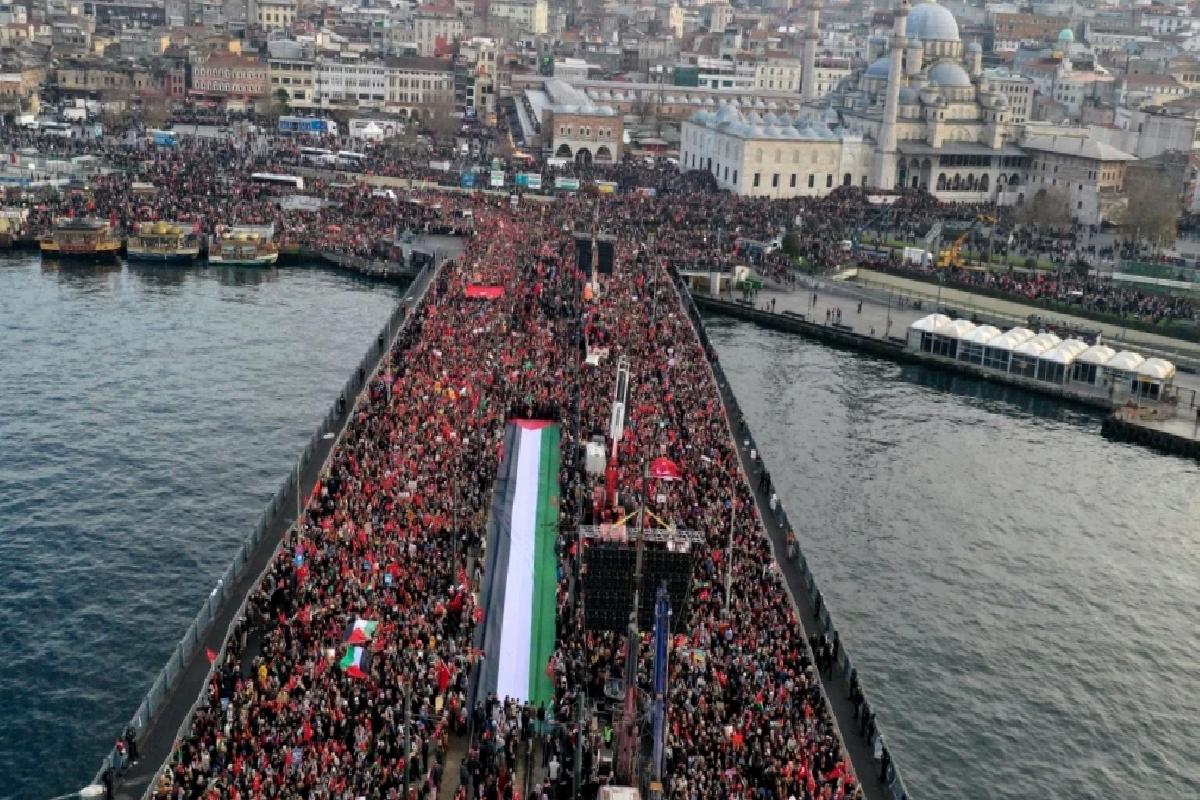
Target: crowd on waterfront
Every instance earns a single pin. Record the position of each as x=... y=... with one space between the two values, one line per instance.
x=207 y=182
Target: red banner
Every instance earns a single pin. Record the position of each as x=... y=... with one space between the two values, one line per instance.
x=480 y=292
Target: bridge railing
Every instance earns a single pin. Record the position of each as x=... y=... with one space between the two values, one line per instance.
x=278 y=506
x=893 y=783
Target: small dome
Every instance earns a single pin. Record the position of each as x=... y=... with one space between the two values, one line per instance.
x=930 y=21
x=949 y=74
x=974 y=47
x=879 y=68
x=1066 y=36
x=909 y=96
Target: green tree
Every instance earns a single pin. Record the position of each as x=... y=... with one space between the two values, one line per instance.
x=791 y=244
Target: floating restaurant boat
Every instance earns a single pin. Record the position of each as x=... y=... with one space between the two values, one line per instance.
x=163 y=242
x=244 y=245
x=83 y=239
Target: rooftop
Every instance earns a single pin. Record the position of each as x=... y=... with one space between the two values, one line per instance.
x=1077 y=146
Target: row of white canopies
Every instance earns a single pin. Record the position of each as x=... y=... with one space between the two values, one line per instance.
x=1045 y=347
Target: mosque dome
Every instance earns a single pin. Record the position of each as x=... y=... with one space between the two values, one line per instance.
x=879 y=68
x=909 y=96
x=930 y=21
x=1066 y=36
x=949 y=74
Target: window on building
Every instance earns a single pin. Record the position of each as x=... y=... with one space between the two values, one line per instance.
x=829 y=181
x=756 y=179
x=775 y=181
x=811 y=181
x=792 y=184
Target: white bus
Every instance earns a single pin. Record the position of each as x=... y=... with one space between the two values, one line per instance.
x=350 y=160
x=279 y=180
x=53 y=128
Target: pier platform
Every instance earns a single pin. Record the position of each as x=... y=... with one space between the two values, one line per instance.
x=879 y=326
x=159 y=722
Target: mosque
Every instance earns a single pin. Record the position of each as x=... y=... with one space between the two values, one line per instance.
x=923 y=114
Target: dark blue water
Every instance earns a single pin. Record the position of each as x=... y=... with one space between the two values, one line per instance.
x=1020 y=595
x=146 y=416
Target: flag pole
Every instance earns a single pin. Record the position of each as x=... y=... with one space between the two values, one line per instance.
x=729 y=554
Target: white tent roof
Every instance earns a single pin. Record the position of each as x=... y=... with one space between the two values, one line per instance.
x=1065 y=353
x=1096 y=354
x=1038 y=344
x=1157 y=368
x=958 y=329
x=1011 y=339
x=930 y=324
x=981 y=335
x=1125 y=360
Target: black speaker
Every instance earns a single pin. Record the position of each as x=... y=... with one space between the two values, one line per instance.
x=583 y=253
x=604 y=254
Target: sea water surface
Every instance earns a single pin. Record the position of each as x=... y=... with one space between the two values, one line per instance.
x=146 y=416
x=1019 y=594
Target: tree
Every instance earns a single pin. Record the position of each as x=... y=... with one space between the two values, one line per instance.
x=155 y=111
x=281 y=103
x=1152 y=213
x=442 y=123
x=1048 y=208
x=791 y=244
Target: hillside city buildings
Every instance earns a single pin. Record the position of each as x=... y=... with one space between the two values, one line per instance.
x=983 y=103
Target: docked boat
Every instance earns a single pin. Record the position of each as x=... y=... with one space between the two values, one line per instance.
x=244 y=245
x=12 y=221
x=82 y=239
x=163 y=242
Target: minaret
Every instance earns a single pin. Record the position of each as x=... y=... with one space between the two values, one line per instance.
x=884 y=168
x=808 y=74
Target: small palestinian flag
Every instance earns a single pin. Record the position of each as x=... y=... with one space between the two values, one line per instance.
x=359 y=632
x=356 y=662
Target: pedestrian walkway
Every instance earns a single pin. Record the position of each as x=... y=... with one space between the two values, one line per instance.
x=970 y=302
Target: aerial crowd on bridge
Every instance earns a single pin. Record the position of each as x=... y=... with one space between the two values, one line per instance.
x=392 y=534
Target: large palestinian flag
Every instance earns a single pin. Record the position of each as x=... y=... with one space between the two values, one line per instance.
x=517 y=636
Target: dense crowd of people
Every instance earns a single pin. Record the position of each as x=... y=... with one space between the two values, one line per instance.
x=207 y=182
x=392 y=532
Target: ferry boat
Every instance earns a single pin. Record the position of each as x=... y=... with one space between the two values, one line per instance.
x=244 y=245
x=82 y=239
x=12 y=221
x=163 y=242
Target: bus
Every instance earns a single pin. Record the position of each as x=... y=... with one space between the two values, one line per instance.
x=54 y=128
x=349 y=160
x=163 y=138
x=279 y=180
x=314 y=126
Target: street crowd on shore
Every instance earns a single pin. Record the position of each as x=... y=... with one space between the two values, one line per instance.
x=207 y=182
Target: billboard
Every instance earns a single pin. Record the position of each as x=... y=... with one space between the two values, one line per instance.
x=497 y=178
x=569 y=184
